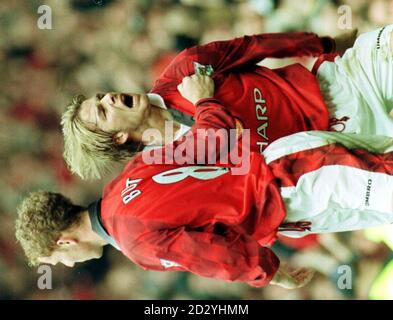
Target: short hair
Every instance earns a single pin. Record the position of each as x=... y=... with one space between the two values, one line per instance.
x=42 y=217
x=89 y=152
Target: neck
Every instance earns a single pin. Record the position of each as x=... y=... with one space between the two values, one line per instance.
x=86 y=232
x=162 y=121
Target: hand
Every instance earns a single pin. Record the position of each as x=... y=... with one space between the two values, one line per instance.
x=292 y=278
x=196 y=87
x=345 y=41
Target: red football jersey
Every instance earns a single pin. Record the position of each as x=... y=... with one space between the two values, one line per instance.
x=200 y=219
x=272 y=103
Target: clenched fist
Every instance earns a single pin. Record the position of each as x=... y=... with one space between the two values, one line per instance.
x=196 y=87
x=292 y=278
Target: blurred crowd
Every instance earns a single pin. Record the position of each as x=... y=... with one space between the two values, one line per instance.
x=123 y=45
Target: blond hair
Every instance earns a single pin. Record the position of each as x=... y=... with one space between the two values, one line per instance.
x=42 y=217
x=89 y=152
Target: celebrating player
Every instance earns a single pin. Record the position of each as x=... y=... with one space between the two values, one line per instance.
x=271 y=103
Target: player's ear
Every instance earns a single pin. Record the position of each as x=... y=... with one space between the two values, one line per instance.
x=66 y=241
x=120 y=137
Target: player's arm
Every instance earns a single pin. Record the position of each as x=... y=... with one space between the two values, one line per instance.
x=248 y=50
x=211 y=251
x=227 y=55
x=215 y=129
x=210 y=113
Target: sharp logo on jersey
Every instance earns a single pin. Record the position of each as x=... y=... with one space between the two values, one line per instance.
x=129 y=192
x=169 y=264
x=260 y=111
x=369 y=183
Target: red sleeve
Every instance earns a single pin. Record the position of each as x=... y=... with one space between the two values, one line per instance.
x=210 y=113
x=211 y=139
x=222 y=254
x=226 y=55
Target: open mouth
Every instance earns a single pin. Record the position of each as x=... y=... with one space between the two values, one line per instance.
x=127 y=100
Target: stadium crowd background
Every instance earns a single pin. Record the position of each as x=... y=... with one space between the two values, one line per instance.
x=98 y=45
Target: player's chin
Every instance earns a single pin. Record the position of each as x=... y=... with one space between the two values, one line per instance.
x=98 y=254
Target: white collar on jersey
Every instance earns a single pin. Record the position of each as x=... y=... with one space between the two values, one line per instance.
x=157 y=100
